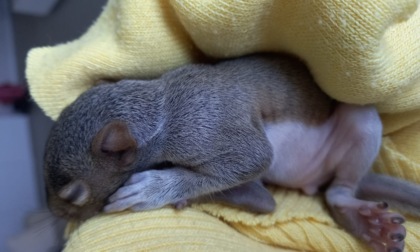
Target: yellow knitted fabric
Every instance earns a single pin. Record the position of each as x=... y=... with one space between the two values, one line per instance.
x=359 y=52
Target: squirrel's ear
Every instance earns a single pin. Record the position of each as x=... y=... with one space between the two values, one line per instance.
x=115 y=141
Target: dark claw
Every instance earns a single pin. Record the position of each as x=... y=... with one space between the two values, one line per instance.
x=397 y=220
x=382 y=205
x=397 y=237
x=394 y=250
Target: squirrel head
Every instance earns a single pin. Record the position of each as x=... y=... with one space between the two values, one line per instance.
x=81 y=176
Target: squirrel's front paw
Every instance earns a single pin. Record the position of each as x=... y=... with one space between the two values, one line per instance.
x=143 y=191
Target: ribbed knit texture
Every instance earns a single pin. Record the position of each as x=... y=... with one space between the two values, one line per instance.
x=358 y=51
x=160 y=230
x=299 y=223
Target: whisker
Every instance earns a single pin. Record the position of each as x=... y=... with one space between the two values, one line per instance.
x=43 y=219
x=52 y=223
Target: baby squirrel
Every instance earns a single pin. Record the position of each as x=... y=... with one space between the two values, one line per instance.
x=203 y=129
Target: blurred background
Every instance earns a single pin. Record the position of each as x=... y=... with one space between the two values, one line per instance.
x=25 y=24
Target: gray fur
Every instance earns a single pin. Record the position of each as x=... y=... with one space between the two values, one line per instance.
x=207 y=120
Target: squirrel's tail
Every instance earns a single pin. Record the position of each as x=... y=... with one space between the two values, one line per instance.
x=399 y=194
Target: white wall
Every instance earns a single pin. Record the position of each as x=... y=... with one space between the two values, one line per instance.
x=18 y=188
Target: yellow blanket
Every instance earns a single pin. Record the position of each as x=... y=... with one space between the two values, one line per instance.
x=359 y=52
